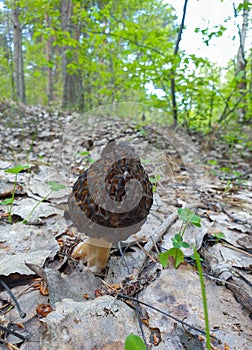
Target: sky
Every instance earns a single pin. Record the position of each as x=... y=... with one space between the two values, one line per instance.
x=208 y=13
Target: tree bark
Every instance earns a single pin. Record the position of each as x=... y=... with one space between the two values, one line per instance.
x=18 y=55
x=49 y=56
x=242 y=64
x=72 y=82
x=173 y=71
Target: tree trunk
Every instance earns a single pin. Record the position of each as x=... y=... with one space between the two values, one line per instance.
x=18 y=55
x=72 y=82
x=49 y=60
x=173 y=70
x=241 y=65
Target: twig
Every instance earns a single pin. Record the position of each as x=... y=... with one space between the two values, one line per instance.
x=27 y=288
x=12 y=346
x=7 y=330
x=237 y=249
x=166 y=314
x=123 y=257
x=21 y=313
x=146 y=252
x=138 y=312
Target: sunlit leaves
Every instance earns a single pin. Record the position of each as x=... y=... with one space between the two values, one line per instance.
x=208 y=34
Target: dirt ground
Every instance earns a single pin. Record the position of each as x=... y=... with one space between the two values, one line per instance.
x=63 y=305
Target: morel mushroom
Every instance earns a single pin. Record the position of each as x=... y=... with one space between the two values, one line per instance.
x=109 y=202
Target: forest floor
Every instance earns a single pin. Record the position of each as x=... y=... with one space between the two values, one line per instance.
x=83 y=310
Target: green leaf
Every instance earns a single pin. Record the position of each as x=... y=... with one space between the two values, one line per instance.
x=7 y=201
x=219 y=235
x=212 y=161
x=185 y=245
x=16 y=169
x=225 y=169
x=154 y=181
x=145 y=161
x=163 y=259
x=177 y=240
x=187 y=215
x=142 y=132
x=85 y=153
x=214 y=172
x=236 y=173
x=194 y=257
x=178 y=256
x=134 y=342
x=90 y=160
x=176 y=253
x=195 y=220
x=184 y=214
x=55 y=186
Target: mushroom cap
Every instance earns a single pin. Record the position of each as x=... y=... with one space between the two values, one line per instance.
x=112 y=198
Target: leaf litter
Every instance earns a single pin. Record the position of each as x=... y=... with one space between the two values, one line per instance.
x=84 y=307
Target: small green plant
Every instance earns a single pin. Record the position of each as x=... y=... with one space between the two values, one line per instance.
x=31 y=146
x=140 y=128
x=227 y=187
x=187 y=217
x=134 y=342
x=230 y=139
x=9 y=201
x=143 y=132
x=145 y=161
x=154 y=181
x=54 y=186
x=194 y=258
x=218 y=236
x=87 y=155
x=212 y=162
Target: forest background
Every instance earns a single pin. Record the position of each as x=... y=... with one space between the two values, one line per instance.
x=83 y=54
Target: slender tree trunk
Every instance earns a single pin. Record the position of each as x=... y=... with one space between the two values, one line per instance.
x=242 y=64
x=18 y=55
x=72 y=82
x=66 y=12
x=173 y=70
x=9 y=52
x=49 y=49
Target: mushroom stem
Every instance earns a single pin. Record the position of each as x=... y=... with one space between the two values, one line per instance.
x=93 y=251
